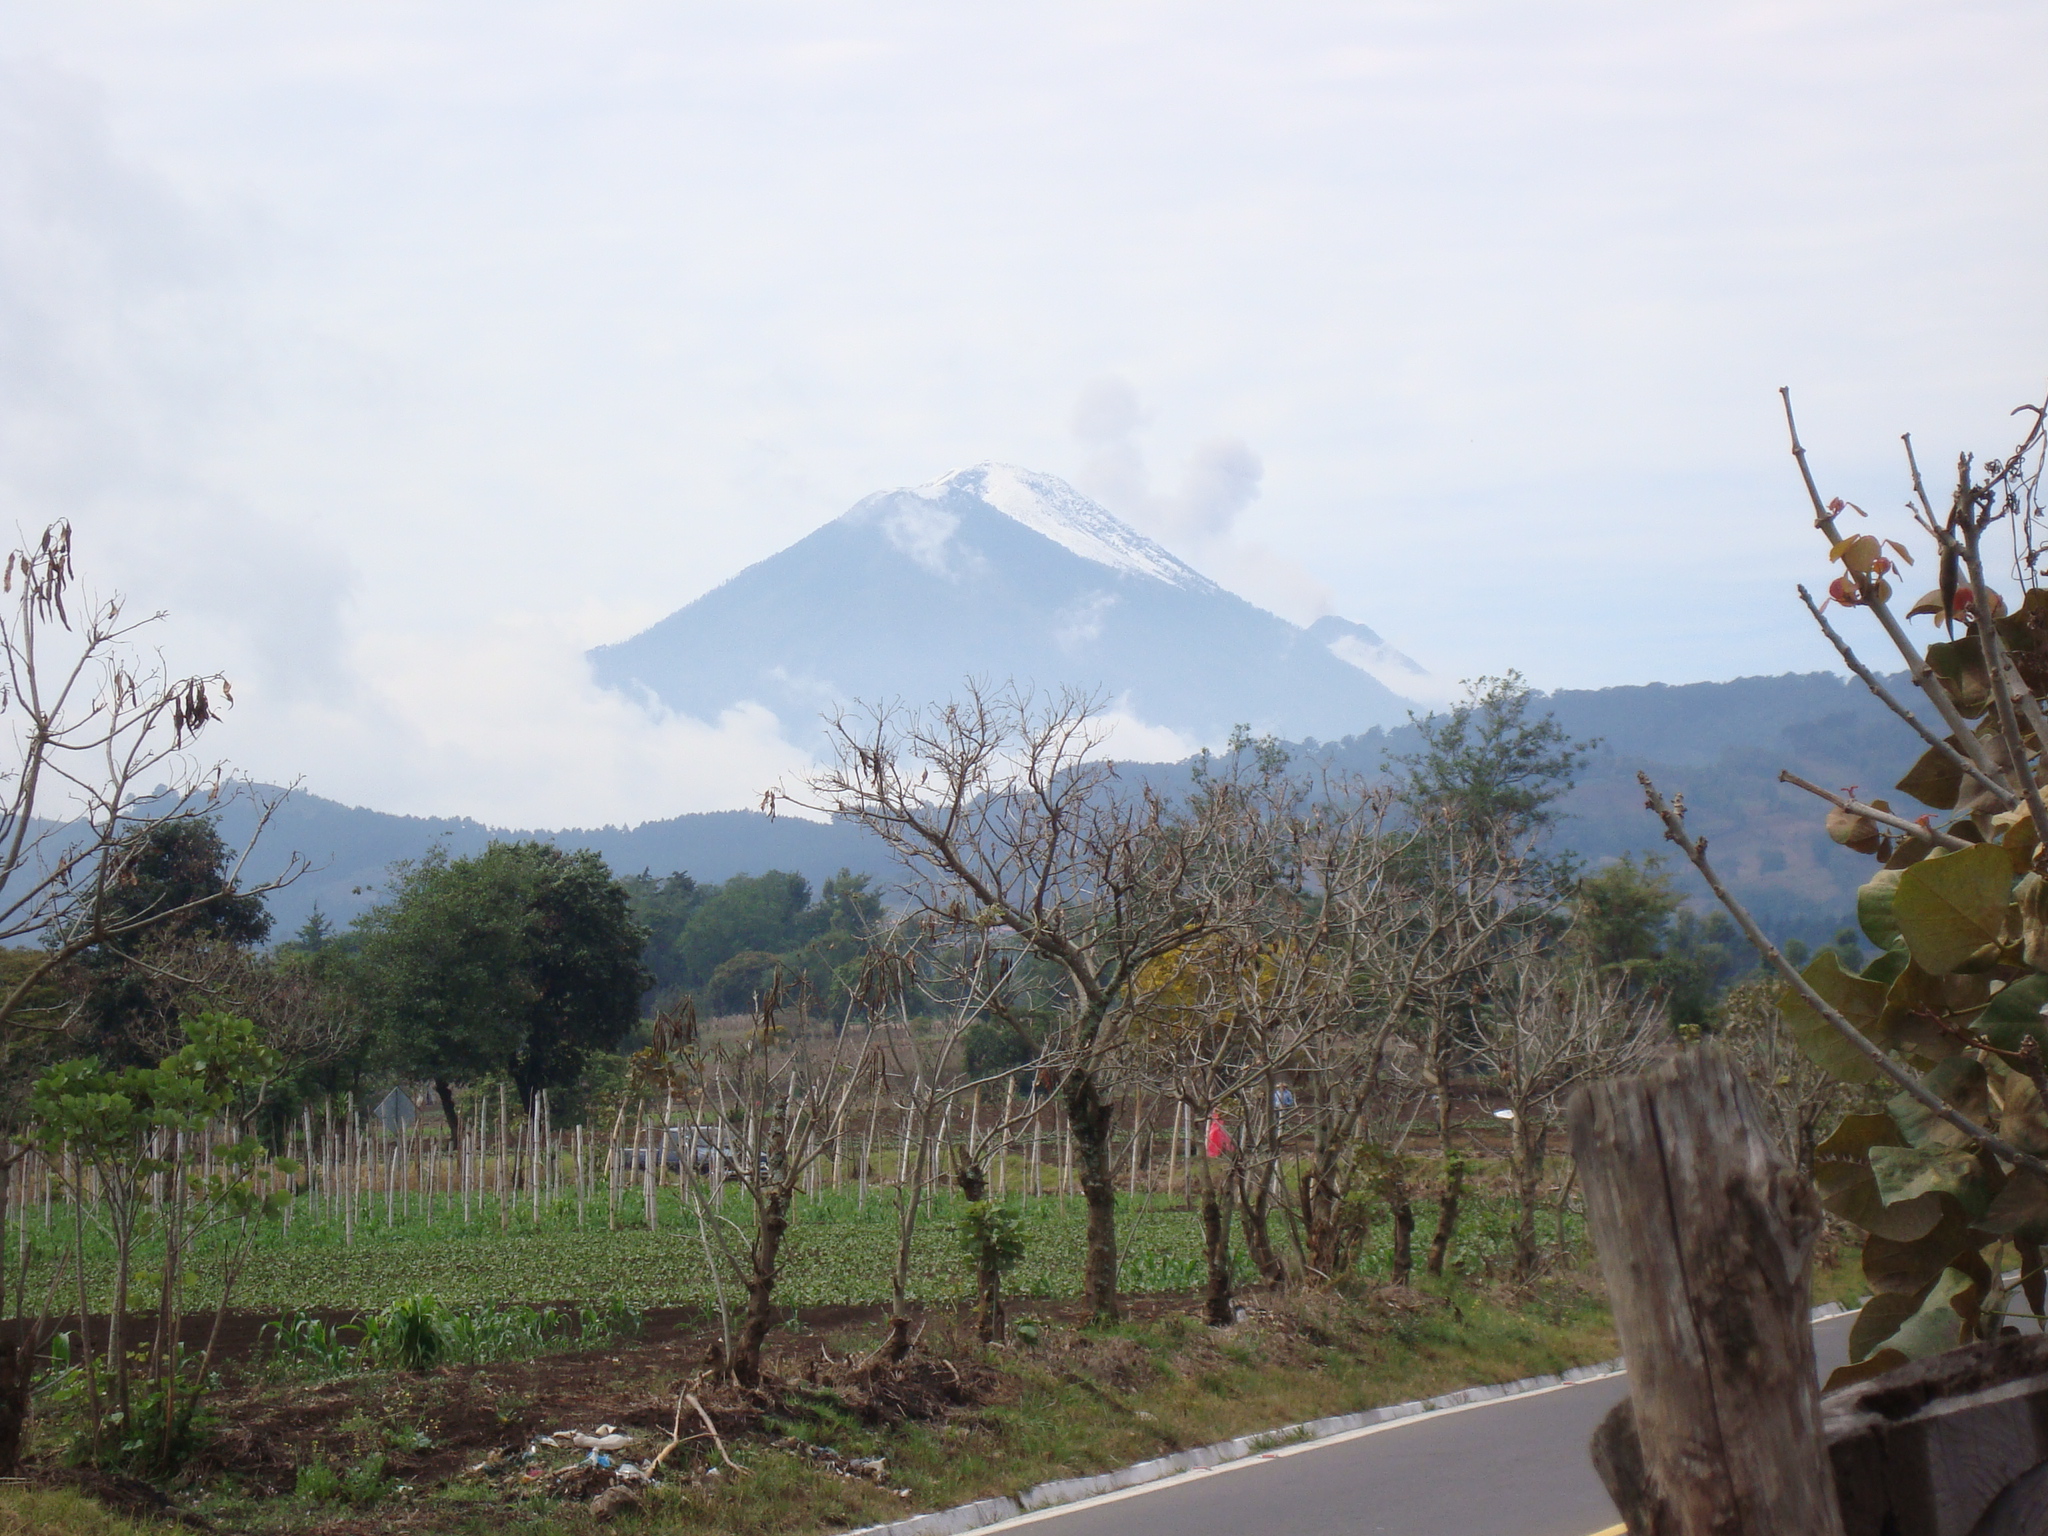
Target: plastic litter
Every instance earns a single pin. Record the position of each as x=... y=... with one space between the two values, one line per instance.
x=873 y=1469
x=607 y=1438
x=592 y=1469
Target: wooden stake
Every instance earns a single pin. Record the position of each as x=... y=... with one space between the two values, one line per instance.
x=1705 y=1237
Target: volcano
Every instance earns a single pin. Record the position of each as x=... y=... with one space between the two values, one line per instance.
x=1000 y=574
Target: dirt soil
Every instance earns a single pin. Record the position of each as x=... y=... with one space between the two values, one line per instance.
x=480 y=1421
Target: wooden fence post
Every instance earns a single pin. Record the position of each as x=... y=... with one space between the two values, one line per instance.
x=1704 y=1238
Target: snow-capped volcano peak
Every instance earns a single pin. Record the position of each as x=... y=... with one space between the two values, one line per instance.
x=1048 y=505
x=993 y=572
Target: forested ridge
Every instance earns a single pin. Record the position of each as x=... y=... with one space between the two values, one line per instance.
x=1722 y=742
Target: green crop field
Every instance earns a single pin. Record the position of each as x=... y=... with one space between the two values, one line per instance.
x=837 y=1252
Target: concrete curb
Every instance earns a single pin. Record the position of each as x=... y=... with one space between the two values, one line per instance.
x=1072 y=1490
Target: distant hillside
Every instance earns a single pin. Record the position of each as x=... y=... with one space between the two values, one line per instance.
x=1721 y=744
x=353 y=849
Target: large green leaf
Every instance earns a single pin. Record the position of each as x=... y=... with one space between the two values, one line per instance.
x=1879 y=1319
x=2021 y=1208
x=1848 y=1187
x=1938 y=1323
x=1934 y=780
x=1916 y=1006
x=1905 y=1173
x=2025 y=634
x=1906 y=1269
x=2022 y=1117
x=1959 y=1082
x=1858 y=1000
x=1874 y=909
x=1950 y=908
x=1850 y=1375
x=2015 y=1013
x=1959 y=664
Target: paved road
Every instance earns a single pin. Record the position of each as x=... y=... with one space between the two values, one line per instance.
x=1516 y=1466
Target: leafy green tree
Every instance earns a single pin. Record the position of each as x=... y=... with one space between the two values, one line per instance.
x=1621 y=915
x=837 y=929
x=1488 y=762
x=1480 y=793
x=748 y=912
x=181 y=869
x=314 y=936
x=1630 y=919
x=522 y=959
x=740 y=979
x=664 y=908
x=709 y=941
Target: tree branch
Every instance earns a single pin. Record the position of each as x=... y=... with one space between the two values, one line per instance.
x=1962 y=764
x=1917 y=666
x=1696 y=851
x=1899 y=823
x=1994 y=662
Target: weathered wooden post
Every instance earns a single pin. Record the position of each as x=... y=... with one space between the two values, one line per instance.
x=1704 y=1237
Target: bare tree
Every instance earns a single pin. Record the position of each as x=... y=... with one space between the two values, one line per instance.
x=1553 y=1027
x=1481 y=792
x=92 y=720
x=967 y=983
x=1799 y=1097
x=1285 y=882
x=305 y=1020
x=94 y=724
x=777 y=1102
x=1427 y=907
x=1007 y=818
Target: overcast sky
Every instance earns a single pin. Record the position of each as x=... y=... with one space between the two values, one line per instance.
x=405 y=350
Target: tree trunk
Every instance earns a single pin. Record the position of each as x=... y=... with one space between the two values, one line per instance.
x=991 y=1325
x=1529 y=1139
x=1404 y=1240
x=1336 y=1227
x=1447 y=1212
x=1254 y=1214
x=7 y=1160
x=897 y=1345
x=909 y=1197
x=772 y=1221
x=988 y=1275
x=1705 y=1237
x=1319 y=1221
x=446 y=1095
x=17 y=1371
x=1217 y=1310
x=17 y=1355
x=1091 y=1121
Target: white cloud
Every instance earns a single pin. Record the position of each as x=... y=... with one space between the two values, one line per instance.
x=1126 y=738
x=1200 y=518
x=121 y=355
x=923 y=530
x=403 y=352
x=1079 y=624
x=506 y=725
